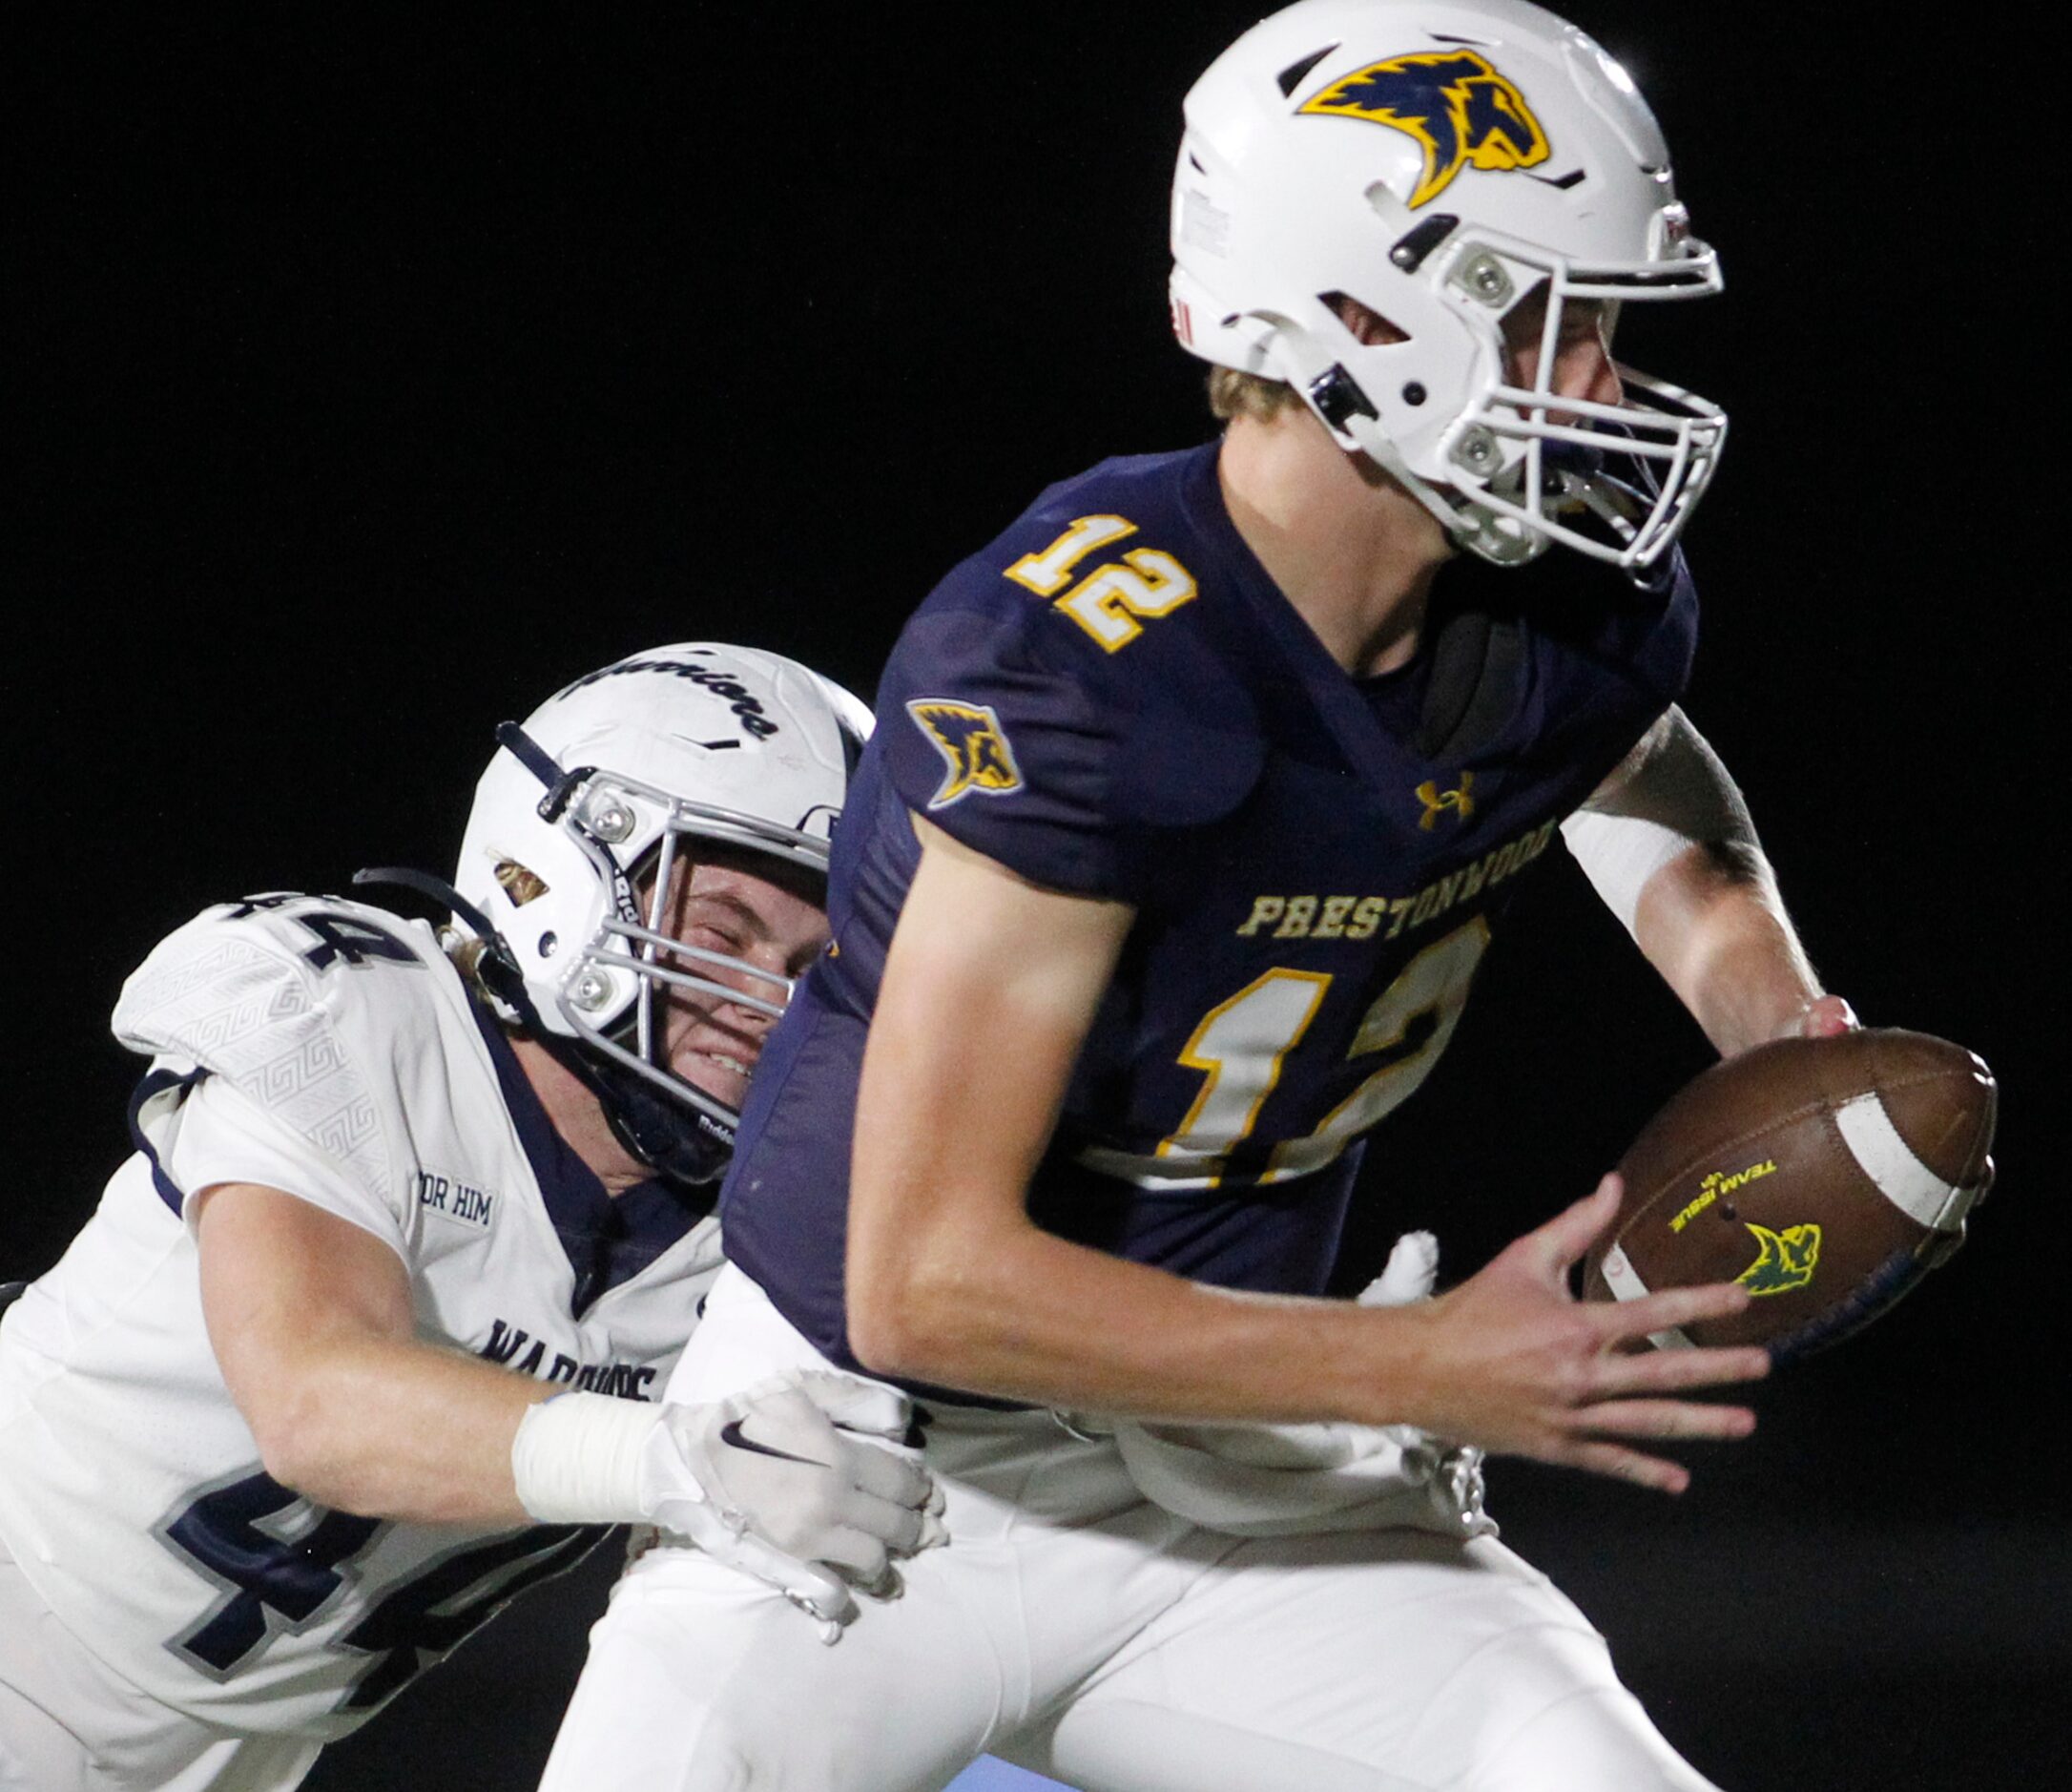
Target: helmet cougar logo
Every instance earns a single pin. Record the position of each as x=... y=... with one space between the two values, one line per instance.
x=1461 y=111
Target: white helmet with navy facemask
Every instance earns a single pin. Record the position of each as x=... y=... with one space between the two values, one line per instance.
x=610 y=793
x=1439 y=165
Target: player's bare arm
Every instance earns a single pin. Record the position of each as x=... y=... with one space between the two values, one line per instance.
x=1669 y=844
x=310 y=1317
x=951 y=1282
x=311 y=1320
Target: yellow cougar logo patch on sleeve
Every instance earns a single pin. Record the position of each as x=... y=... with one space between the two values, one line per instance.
x=973 y=745
x=1786 y=1260
x=1461 y=111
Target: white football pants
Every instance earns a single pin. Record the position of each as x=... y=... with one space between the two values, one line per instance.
x=1073 y=1627
x=68 y=1724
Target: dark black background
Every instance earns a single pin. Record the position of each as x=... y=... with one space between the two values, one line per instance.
x=373 y=379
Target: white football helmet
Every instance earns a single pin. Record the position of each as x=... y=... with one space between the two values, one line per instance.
x=606 y=794
x=1438 y=161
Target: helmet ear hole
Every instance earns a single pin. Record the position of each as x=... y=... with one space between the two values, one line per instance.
x=1367 y=324
x=520 y=884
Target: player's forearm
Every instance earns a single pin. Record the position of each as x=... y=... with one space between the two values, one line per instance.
x=1712 y=922
x=311 y=1321
x=950 y=1282
x=971 y=1051
x=394 y=1429
x=1668 y=843
x=1018 y=1313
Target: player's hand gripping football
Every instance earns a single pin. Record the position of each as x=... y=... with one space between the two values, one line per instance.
x=776 y=1481
x=1518 y=1366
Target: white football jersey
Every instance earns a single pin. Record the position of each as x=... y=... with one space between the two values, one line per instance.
x=328 y=1048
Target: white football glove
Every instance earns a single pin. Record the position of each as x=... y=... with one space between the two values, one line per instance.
x=1280 y=1480
x=1408 y=1275
x=775 y=1466
x=770 y=1480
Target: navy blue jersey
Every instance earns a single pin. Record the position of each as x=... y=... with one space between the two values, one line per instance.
x=1114 y=699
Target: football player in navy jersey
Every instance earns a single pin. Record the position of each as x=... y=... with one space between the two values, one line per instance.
x=1196 y=799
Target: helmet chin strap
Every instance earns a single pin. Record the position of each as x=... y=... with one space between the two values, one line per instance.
x=646 y=1124
x=652 y=1128
x=1345 y=409
x=1472 y=528
x=1342 y=407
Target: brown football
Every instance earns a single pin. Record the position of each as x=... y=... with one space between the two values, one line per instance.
x=1826 y=1175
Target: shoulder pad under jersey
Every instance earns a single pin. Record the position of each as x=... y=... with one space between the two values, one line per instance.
x=1100 y=635
x=311 y=1006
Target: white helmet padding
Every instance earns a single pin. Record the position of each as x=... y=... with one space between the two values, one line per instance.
x=1439 y=163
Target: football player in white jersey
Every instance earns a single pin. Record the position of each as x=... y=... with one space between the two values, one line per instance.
x=371 y=1331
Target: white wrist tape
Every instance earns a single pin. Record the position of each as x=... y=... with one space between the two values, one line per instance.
x=577 y=1459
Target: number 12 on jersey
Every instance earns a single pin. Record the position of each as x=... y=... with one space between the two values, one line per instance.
x=1243 y=1045
x=1110 y=600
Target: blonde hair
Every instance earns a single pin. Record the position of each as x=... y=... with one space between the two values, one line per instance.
x=1232 y=394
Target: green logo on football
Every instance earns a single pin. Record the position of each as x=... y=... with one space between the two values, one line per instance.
x=1785 y=1259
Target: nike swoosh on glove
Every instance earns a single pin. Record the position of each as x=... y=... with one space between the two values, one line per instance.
x=802 y=1474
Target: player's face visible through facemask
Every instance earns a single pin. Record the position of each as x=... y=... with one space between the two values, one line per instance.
x=1583 y=367
x=752 y=908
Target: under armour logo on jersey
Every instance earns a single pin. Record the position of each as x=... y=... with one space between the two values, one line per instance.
x=1461 y=111
x=1437 y=801
x=972 y=743
x=1786 y=1258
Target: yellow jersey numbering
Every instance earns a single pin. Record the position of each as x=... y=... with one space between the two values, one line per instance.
x=1108 y=602
x=973 y=745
